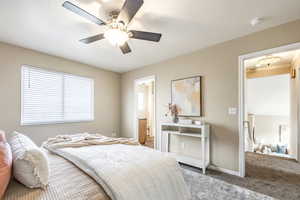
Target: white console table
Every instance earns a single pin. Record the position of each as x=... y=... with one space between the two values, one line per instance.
x=198 y=132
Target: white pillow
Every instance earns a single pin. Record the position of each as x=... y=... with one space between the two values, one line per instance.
x=30 y=163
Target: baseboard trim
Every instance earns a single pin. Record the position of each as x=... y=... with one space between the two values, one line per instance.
x=227 y=171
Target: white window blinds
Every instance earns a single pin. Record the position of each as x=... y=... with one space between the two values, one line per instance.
x=53 y=97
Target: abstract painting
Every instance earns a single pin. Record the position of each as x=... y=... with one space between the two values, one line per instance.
x=186 y=95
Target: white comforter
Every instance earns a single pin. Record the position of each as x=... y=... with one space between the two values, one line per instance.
x=129 y=172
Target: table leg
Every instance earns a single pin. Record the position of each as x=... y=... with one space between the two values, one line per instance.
x=203 y=155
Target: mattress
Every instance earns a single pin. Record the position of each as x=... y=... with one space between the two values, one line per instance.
x=66 y=182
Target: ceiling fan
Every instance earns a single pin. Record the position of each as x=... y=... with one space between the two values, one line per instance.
x=117 y=32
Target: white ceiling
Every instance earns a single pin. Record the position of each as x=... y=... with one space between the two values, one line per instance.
x=286 y=58
x=186 y=25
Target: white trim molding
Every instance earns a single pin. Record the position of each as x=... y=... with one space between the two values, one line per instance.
x=227 y=171
x=242 y=113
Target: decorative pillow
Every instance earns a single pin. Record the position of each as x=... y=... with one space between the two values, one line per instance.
x=274 y=147
x=282 y=149
x=29 y=161
x=258 y=148
x=5 y=163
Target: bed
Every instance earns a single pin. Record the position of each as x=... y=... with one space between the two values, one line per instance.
x=93 y=166
x=76 y=186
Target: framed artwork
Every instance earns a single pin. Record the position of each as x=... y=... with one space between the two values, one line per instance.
x=186 y=95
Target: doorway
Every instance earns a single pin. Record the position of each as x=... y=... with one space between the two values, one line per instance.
x=268 y=102
x=144 y=117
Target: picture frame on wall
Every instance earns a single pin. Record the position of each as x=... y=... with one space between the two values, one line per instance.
x=186 y=94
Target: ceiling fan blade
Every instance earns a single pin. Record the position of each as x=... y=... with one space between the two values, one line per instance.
x=92 y=39
x=79 y=11
x=142 y=35
x=125 y=48
x=129 y=9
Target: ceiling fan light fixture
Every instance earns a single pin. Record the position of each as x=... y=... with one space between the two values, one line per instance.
x=116 y=32
x=116 y=37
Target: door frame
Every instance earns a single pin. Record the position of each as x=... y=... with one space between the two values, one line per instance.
x=242 y=77
x=135 y=121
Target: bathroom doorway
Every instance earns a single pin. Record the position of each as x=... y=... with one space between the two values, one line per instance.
x=144 y=117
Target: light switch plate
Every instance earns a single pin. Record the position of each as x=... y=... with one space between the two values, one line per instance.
x=232 y=111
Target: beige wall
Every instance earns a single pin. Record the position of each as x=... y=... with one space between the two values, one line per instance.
x=219 y=67
x=107 y=94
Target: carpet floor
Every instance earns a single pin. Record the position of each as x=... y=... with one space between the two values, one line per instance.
x=204 y=187
x=272 y=176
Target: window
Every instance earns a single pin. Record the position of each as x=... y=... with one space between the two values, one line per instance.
x=53 y=97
